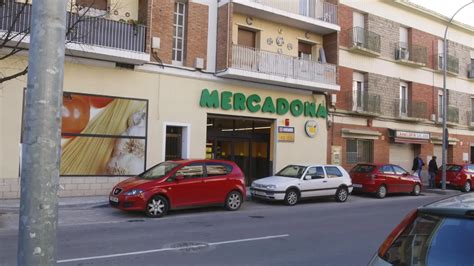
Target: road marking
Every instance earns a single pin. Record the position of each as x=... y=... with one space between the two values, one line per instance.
x=170 y=249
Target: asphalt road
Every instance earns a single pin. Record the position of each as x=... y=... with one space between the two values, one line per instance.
x=316 y=232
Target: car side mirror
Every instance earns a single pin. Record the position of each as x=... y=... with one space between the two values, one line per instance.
x=308 y=177
x=179 y=178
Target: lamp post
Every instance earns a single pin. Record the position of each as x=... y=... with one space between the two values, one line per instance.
x=445 y=99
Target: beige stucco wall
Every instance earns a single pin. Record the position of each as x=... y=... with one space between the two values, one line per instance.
x=267 y=29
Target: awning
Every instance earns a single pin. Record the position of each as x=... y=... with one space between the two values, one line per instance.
x=411 y=137
x=439 y=140
x=360 y=134
x=411 y=141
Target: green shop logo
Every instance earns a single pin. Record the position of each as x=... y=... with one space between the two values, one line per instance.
x=254 y=103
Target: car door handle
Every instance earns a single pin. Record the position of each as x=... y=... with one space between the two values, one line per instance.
x=325 y=181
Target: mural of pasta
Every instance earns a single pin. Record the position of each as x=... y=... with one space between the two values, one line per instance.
x=103 y=135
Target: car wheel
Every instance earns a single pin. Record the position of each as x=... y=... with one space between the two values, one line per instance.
x=416 y=190
x=233 y=201
x=342 y=194
x=157 y=207
x=466 y=187
x=381 y=192
x=291 y=197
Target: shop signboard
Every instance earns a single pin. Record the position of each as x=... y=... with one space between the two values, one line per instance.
x=311 y=128
x=412 y=135
x=286 y=134
x=103 y=135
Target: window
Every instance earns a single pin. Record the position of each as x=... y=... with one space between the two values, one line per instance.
x=440 y=105
x=470 y=168
x=333 y=171
x=246 y=38
x=316 y=172
x=218 y=169
x=359 y=150
x=358 y=33
x=194 y=170
x=399 y=170
x=174 y=141
x=178 y=35
x=305 y=50
x=363 y=168
x=386 y=169
x=403 y=99
x=358 y=92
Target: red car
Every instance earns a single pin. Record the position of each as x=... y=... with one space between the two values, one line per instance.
x=382 y=179
x=181 y=184
x=457 y=175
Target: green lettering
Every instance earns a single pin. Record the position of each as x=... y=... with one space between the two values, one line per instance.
x=209 y=99
x=251 y=100
x=296 y=107
x=239 y=101
x=226 y=96
x=322 y=111
x=268 y=106
x=310 y=109
x=282 y=106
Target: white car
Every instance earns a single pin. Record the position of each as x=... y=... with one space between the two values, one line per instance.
x=304 y=181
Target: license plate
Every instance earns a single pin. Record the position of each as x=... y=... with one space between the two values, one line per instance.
x=260 y=193
x=113 y=199
x=357 y=185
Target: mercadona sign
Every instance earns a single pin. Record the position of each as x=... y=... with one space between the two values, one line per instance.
x=254 y=103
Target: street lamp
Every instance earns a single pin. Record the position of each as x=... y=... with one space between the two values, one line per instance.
x=445 y=99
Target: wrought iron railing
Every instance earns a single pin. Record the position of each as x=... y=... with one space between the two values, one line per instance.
x=414 y=53
x=452 y=63
x=260 y=61
x=360 y=37
x=413 y=109
x=316 y=9
x=363 y=101
x=15 y=19
x=453 y=114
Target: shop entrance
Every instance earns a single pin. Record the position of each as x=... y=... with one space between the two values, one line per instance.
x=245 y=141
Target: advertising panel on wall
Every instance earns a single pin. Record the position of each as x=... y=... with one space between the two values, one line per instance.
x=103 y=135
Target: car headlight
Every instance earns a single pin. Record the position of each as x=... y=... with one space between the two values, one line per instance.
x=272 y=187
x=133 y=192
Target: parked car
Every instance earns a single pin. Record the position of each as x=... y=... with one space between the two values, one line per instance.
x=458 y=176
x=295 y=182
x=440 y=233
x=383 y=179
x=181 y=184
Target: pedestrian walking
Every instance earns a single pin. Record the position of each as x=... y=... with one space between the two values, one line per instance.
x=418 y=166
x=432 y=170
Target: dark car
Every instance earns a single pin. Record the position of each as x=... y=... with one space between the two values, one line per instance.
x=458 y=176
x=440 y=233
x=181 y=184
x=383 y=179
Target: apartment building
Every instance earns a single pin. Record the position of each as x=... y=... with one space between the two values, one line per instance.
x=389 y=107
x=243 y=80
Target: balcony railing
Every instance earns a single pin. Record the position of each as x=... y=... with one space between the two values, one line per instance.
x=452 y=63
x=453 y=114
x=470 y=71
x=316 y=9
x=97 y=31
x=413 y=53
x=410 y=109
x=365 y=102
x=259 y=61
x=360 y=37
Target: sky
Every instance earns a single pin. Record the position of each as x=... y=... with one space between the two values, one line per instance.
x=449 y=7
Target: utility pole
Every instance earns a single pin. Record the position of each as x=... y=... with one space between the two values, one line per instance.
x=41 y=135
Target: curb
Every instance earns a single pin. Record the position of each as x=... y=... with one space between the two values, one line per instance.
x=442 y=192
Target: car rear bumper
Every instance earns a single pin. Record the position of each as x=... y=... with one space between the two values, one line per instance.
x=267 y=194
x=452 y=183
x=365 y=188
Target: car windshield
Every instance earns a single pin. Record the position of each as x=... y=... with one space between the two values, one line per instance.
x=159 y=170
x=363 y=168
x=294 y=171
x=453 y=168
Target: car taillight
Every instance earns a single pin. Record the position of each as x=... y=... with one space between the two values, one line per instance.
x=396 y=232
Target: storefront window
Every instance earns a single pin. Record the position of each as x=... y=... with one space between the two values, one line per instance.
x=359 y=151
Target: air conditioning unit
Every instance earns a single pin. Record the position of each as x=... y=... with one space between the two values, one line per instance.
x=199 y=63
x=333 y=99
x=402 y=54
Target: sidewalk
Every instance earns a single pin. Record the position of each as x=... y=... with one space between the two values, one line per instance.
x=66 y=202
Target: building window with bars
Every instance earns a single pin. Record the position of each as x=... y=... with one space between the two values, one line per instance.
x=359 y=151
x=178 y=34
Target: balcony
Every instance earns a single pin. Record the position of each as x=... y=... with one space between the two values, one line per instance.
x=470 y=72
x=312 y=15
x=365 y=103
x=262 y=66
x=92 y=37
x=453 y=115
x=364 y=42
x=452 y=64
x=411 y=55
x=410 y=110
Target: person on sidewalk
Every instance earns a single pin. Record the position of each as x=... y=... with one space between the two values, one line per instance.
x=432 y=170
x=418 y=166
